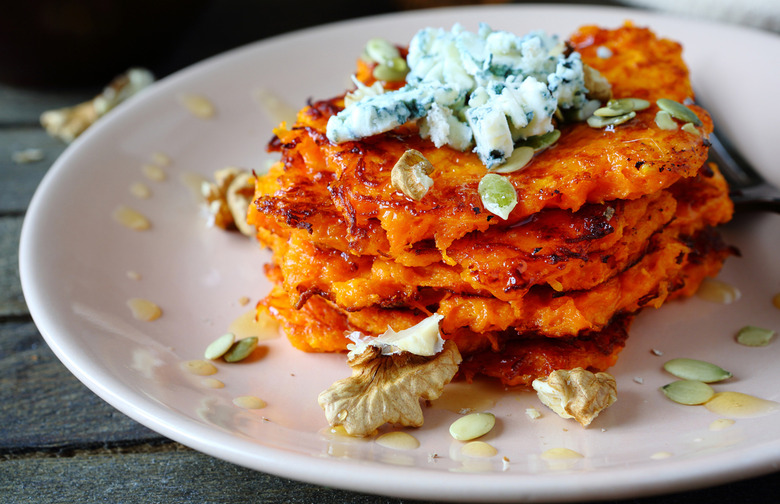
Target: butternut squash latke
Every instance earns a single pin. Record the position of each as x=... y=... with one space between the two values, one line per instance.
x=608 y=221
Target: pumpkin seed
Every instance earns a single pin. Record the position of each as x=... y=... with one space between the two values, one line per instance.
x=690 y=128
x=595 y=121
x=631 y=103
x=520 y=157
x=539 y=142
x=472 y=426
x=498 y=195
x=219 y=346
x=688 y=392
x=692 y=369
x=241 y=349
x=664 y=121
x=380 y=50
x=388 y=73
x=621 y=106
x=679 y=111
x=754 y=336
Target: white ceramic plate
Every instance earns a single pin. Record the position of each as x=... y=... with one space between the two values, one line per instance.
x=75 y=259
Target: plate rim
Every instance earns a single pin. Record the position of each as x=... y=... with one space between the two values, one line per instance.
x=156 y=417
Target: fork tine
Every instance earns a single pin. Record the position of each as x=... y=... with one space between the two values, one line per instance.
x=749 y=190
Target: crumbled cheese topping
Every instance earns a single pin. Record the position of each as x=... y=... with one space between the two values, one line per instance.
x=485 y=90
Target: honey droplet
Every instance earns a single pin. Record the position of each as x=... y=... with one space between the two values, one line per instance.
x=259 y=324
x=140 y=191
x=249 y=402
x=153 y=172
x=478 y=449
x=143 y=309
x=560 y=454
x=739 y=405
x=130 y=218
x=716 y=291
x=199 y=367
x=197 y=105
x=161 y=159
x=212 y=383
x=776 y=300
x=721 y=424
x=398 y=440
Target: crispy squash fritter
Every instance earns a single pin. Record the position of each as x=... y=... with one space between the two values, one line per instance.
x=608 y=222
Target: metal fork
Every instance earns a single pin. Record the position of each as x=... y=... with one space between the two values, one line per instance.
x=749 y=190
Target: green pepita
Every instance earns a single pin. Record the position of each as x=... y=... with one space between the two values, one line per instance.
x=595 y=121
x=241 y=349
x=692 y=369
x=754 y=336
x=219 y=346
x=629 y=103
x=520 y=157
x=621 y=106
x=690 y=128
x=498 y=195
x=679 y=111
x=540 y=142
x=381 y=51
x=388 y=73
x=472 y=426
x=688 y=392
x=664 y=121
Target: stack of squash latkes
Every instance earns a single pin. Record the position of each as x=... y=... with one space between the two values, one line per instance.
x=608 y=221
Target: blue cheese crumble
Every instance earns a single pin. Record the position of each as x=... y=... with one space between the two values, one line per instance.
x=484 y=91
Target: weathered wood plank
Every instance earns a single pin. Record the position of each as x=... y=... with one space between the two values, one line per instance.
x=11 y=298
x=44 y=407
x=188 y=476
x=22 y=106
x=18 y=181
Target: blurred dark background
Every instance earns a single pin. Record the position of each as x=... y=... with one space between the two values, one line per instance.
x=84 y=43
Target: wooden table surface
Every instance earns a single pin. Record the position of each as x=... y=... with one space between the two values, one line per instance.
x=59 y=442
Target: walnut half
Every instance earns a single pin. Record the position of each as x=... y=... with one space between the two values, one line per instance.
x=387 y=388
x=228 y=199
x=577 y=393
x=410 y=174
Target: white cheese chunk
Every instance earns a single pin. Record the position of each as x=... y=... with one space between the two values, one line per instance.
x=485 y=90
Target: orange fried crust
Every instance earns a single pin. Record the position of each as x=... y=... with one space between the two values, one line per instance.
x=608 y=222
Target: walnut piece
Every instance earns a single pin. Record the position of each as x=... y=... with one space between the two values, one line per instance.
x=387 y=388
x=410 y=174
x=577 y=393
x=228 y=199
x=70 y=122
x=598 y=86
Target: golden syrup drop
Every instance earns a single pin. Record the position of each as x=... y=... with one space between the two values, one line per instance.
x=560 y=454
x=143 y=309
x=739 y=405
x=249 y=402
x=479 y=449
x=153 y=172
x=198 y=105
x=721 y=424
x=398 y=441
x=140 y=191
x=254 y=323
x=199 y=367
x=716 y=291
x=212 y=383
x=130 y=218
x=462 y=397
